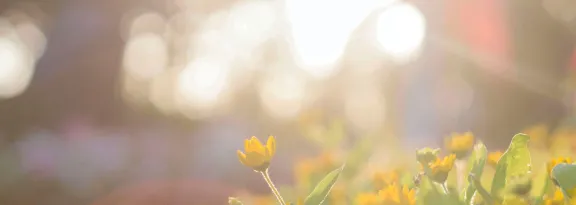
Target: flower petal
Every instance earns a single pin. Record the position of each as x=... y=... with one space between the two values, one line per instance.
x=252 y=144
x=242 y=157
x=255 y=159
x=247 y=146
x=257 y=146
x=271 y=146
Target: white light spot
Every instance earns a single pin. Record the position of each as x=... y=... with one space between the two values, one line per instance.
x=251 y=23
x=146 y=22
x=401 y=29
x=16 y=67
x=32 y=37
x=145 y=56
x=283 y=94
x=202 y=82
x=321 y=30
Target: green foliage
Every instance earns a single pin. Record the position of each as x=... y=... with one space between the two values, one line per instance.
x=427 y=155
x=234 y=201
x=478 y=159
x=515 y=161
x=511 y=181
x=480 y=189
x=519 y=161
x=430 y=193
x=565 y=176
x=545 y=190
x=323 y=188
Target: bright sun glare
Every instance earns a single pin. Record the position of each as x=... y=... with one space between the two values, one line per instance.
x=320 y=32
x=401 y=29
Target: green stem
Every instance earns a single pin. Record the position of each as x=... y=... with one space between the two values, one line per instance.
x=266 y=176
x=460 y=173
x=445 y=188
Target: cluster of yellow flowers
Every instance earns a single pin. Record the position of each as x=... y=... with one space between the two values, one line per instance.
x=388 y=188
x=392 y=194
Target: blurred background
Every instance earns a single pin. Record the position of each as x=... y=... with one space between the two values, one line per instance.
x=147 y=101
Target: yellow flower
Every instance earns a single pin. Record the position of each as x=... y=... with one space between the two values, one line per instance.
x=493 y=158
x=556 y=199
x=441 y=167
x=460 y=144
x=391 y=195
x=410 y=195
x=383 y=179
x=368 y=199
x=257 y=156
x=552 y=163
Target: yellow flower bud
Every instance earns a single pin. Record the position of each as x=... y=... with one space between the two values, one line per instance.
x=256 y=155
x=427 y=155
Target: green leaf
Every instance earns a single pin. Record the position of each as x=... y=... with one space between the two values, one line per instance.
x=515 y=161
x=565 y=176
x=407 y=178
x=479 y=157
x=519 y=160
x=323 y=188
x=499 y=180
x=430 y=194
x=480 y=189
x=514 y=200
x=540 y=197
